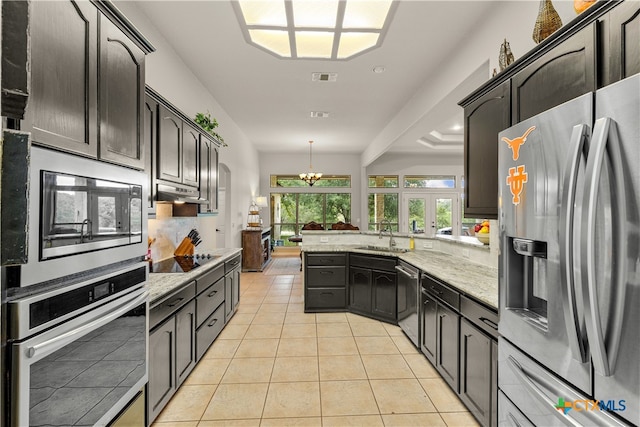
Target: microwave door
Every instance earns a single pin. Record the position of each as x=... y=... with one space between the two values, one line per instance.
x=610 y=246
x=532 y=162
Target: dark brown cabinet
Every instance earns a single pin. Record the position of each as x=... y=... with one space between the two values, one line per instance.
x=622 y=49
x=561 y=74
x=373 y=290
x=256 y=249
x=428 y=316
x=325 y=282
x=150 y=120
x=62 y=109
x=384 y=295
x=231 y=287
x=447 y=347
x=87 y=81
x=484 y=118
x=476 y=371
x=121 y=97
x=185 y=341
x=169 y=146
x=208 y=174
x=162 y=367
x=190 y=156
x=360 y=290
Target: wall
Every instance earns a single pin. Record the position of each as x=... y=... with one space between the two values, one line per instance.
x=168 y=75
x=294 y=164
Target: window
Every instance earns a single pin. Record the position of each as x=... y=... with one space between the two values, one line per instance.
x=383 y=206
x=429 y=181
x=327 y=181
x=383 y=181
x=291 y=211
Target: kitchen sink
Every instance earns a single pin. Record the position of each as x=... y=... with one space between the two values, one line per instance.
x=383 y=249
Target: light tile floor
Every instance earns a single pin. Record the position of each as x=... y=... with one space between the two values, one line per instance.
x=274 y=365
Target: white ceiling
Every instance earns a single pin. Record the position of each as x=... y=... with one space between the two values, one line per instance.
x=270 y=99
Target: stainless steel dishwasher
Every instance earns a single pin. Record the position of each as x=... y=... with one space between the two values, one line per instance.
x=409 y=301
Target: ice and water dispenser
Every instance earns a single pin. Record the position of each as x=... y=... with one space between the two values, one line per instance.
x=527 y=280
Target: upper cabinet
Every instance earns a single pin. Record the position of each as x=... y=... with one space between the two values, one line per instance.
x=190 y=156
x=169 y=146
x=599 y=47
x=121 y=97
x=87 y=81
x=561 y=74
x=149 y=132
x=62 y=105
x=208 y=174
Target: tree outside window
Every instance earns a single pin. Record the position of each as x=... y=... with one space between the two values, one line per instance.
x=383 y=206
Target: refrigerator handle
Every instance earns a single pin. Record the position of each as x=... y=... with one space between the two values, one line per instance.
x=605 y=139
x=530 y=383
x=579 y=137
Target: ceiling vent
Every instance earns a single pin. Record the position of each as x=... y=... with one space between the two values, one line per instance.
x=324 y=77
x=319 y=114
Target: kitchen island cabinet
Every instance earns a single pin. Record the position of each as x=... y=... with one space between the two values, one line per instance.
x=373 y=287
x=325 y=281
x=256 y=249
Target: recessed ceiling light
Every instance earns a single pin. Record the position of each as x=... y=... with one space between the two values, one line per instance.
x=456 y=127
x=379 y=69
x=324 y=29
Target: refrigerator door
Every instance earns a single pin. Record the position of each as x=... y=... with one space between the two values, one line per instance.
x=610 y=248
x=541 y=165
x=542 y=397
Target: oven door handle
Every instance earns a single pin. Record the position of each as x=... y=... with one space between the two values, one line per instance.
x=60 y=341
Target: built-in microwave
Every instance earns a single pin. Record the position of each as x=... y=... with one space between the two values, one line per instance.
x=83 y=214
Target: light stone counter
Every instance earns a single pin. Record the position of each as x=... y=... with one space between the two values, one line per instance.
x=475 y=280
x=162 y=284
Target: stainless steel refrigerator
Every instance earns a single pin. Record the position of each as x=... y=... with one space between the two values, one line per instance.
x=569 y=351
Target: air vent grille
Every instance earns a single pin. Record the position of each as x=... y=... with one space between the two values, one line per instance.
x=324 y=77
x=319 y=114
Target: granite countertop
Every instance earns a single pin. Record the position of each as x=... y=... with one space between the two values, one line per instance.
x=162 y=284
x=475 y=280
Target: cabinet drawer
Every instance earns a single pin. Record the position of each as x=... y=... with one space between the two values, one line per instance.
x=483 y=317
x=232 y=263
x=441 y=291
x=171 y=304
x=326 y=298
x=209 y=300
x=209 y=330
x=326 y=259
x=208 y=278
x=326 y=277
x=373 y=263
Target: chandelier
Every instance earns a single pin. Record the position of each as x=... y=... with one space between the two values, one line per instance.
x=310 y=177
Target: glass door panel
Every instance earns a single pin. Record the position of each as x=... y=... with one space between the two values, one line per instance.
x=430 y=214
x=417 y=212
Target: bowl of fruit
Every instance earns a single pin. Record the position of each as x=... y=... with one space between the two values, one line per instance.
x=482 y=232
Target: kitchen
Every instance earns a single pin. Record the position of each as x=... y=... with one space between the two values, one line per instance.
x=248 y=175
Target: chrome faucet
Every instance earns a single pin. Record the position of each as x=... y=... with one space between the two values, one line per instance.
x=392 y=242
x=89 y=231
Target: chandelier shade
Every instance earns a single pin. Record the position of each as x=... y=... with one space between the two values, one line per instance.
x=310 y=177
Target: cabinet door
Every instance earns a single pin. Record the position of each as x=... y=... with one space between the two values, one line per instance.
x=63 y=98
x=150 y=114
x=360 y=289
x=384 y=295
x=624 y=48
x=235 y=296
x=475 y=371
x=162 y=368
x=428 y=315
x=169 y=146
x=190 y=156
x=484 y=118
x=563 y=73
x=448 y=329
x=213 y=179
x=205 y=173
x=121 y=97
x=494 y=383
x=185 y=341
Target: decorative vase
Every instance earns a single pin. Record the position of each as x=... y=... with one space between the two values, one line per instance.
x=506 y=56
x=547 y=21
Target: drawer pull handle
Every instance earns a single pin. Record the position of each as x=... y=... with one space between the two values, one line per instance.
x=212 y=294
x=326 y=293
x=174 y=303
x=489 y=323
x=433 y=288
x=326 y=272
x=213 y=322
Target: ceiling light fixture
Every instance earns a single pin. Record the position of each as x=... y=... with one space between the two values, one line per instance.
x=322 y=29
x=310 y=177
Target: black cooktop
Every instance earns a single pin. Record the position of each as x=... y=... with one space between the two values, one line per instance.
x=181 y=264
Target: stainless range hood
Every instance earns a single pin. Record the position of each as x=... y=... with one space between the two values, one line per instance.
x=172 y=193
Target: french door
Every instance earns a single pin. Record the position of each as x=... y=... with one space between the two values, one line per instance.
x=432 y=213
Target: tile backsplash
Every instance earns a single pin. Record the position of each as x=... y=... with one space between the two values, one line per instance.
x=167 y=233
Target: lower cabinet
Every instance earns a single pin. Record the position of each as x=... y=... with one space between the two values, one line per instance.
x=448 y=331
x=475 y=371
x=185 y=341
x=373 y=287
x=231 y=286
x=360 y=290
x=162 y=367
x=325 y=282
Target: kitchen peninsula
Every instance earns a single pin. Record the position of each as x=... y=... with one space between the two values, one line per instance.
x=445 y=303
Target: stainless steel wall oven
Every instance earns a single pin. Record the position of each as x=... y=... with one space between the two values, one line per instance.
x=78 y=353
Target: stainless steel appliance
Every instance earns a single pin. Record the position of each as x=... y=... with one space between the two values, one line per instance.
x=78 y=353
x=570 y=262
x=83 y=214
x=409 y=301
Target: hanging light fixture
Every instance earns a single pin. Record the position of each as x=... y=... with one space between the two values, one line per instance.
x=310 y=177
